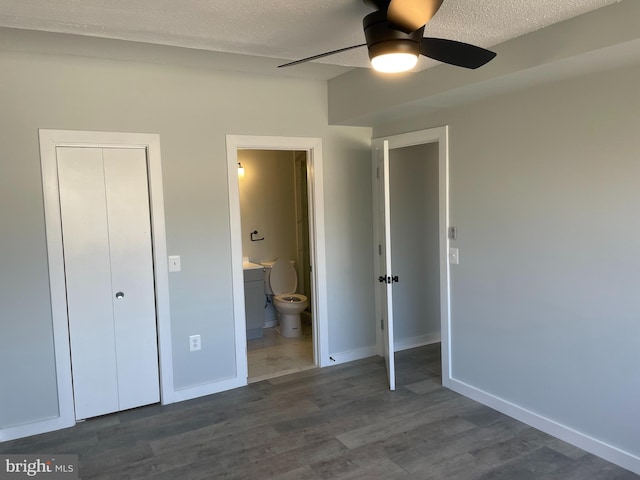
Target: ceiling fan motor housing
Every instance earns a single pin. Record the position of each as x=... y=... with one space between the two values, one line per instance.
x=382 y=38
x=378 y=4
x=394 y=47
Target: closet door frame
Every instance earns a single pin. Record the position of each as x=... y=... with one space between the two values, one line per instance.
x=50 y=140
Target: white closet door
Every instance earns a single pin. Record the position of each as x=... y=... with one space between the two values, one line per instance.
x=109 y=271
x=125 y=172
x=88 y=277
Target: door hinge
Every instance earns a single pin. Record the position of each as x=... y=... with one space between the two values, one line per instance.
x=382 y=324
x=377 y=172
x=379 y=249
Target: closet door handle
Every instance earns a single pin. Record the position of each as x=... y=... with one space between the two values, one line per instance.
x=119 y=295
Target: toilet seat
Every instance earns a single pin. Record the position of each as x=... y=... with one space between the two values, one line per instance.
x=283 y=278
x=290 y=298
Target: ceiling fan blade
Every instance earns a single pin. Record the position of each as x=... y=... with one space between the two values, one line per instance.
x=410 y=15
x=326 y=54
x=455 y=53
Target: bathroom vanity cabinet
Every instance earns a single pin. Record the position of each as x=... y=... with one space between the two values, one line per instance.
x=254 y=302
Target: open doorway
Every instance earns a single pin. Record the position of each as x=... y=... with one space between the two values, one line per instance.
x=412 y=246
x=414 y=204
x=275 y=226
x=307 y=210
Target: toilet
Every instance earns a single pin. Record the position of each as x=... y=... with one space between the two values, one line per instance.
x=281 y=281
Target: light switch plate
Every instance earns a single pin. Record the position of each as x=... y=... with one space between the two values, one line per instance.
x=454 y=256
x=174 y=263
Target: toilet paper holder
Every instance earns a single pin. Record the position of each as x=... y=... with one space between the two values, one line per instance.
x=253 y=234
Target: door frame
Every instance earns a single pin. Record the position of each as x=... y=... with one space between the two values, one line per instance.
x=313 y=148
x=439 y=135
x=49 y=141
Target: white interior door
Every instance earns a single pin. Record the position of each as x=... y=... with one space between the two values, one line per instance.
x=104 y=203
x=386 y=274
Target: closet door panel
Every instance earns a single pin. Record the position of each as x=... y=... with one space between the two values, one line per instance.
x=132 y=280
x=88 y=279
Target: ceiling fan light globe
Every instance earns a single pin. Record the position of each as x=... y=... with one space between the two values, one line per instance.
x=394 y=62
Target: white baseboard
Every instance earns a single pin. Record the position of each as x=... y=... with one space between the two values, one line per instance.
x=57 y=423
x=34 y=428
x=344 y=357
x=208 y=389
x=414 y=342
x=581 y=440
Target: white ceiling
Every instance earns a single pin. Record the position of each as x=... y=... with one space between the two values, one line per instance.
x=280 y=29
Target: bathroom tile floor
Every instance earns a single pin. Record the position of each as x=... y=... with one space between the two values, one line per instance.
x=274 y=355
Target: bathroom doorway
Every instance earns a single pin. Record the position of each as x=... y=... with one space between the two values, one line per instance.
x=275 y=226
x=277 y=213
x=414 y=264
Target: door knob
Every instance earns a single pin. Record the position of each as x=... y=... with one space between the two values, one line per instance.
x=119 y=295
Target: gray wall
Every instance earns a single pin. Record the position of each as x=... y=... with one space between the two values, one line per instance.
x=415 y=252
x=349 y=230
x=267 y=204
x=545 y=302
x=192 y=110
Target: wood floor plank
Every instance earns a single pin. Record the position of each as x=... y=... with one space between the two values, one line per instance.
x=303 y=473
x=419 y=459
x=340 y=422
x=382 y=468
x=395 y=423
x=460 y=467
x=214 y=443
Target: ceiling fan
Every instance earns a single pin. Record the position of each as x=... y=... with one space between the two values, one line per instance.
x=394 y=38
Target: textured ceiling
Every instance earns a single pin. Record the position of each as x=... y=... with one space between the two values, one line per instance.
x=283 y=29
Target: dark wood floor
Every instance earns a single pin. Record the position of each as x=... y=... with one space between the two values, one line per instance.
x=334 y=423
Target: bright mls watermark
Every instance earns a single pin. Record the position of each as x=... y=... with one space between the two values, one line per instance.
x=51 y=467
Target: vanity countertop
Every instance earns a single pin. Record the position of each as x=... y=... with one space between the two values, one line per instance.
x=251 y=266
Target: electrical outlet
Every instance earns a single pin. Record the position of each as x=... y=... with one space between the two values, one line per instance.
x=195 y=343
